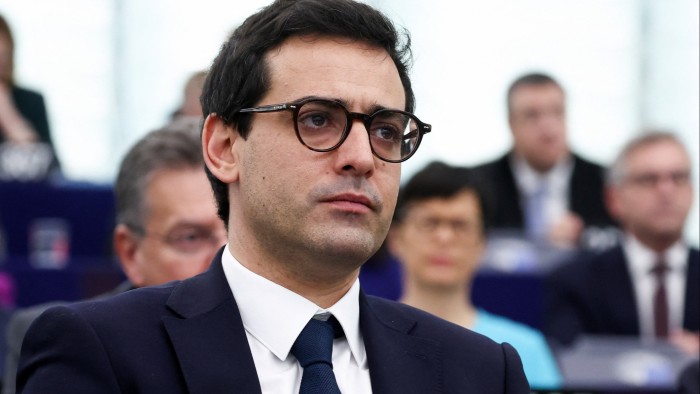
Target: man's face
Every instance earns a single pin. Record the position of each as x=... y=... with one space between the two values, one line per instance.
x=302 y=205
x=5 y=59
x=183 y=231
x=653 y=199
x=538 y=122
x=440 y=241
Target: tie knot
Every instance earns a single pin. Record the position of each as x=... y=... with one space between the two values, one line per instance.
x=315 y=342
x=659 y=269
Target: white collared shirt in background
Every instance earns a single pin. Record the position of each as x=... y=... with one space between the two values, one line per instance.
x=273 y=318
x=640 y=261
x=555 y=181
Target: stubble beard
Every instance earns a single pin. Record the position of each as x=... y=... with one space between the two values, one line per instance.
x=330 y=247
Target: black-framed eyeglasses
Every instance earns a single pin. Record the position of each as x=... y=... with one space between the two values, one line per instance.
x=323 y=125
x=462 y=229
x=187 y=240
x=650 y=180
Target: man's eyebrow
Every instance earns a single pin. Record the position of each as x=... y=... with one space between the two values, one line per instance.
x=377 y=107
x=314 y=98
x=372 y=109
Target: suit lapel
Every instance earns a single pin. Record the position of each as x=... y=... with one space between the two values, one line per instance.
x=208 y=335
x=213 y=352
x=619 y=294
x=509 y=210
x=692 y=292
x=398 y=362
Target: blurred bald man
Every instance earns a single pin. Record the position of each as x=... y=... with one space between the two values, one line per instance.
x=540 y=187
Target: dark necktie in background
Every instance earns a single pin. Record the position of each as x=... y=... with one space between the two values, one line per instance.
x=660 y=299
x=314 y=351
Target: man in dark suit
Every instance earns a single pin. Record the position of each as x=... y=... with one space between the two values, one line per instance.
x=160 y=236
x=648 y=285
x=540 y=187
x=307 y=190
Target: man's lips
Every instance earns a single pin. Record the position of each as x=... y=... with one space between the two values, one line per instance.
x=354 y=202
x=441 y=261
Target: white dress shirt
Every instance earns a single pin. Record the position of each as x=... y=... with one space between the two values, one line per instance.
x=555 y=183
x=641 y=260
x=273 y=317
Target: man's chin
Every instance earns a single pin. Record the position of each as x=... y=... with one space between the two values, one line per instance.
x=351 y=249
x=543 y=164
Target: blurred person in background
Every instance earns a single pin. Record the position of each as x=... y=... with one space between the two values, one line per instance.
x=167 y=226
x=190 y=105
x=438 y=234
x=189 y=112
x=540 y=187
x=26 y=149
x=647 y=285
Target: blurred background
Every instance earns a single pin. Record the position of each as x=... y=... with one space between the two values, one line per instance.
x=112 y=70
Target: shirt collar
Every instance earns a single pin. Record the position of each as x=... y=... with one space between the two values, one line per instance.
x=528 y=179
x=275 y=315
x=642 y=259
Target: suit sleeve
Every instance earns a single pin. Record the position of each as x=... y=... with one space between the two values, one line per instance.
x=14 y=336
x=515 y=380
x=16 y=328
x=62 y=353
x=562 y=317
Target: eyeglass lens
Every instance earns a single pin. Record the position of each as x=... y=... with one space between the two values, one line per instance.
x=321 y=125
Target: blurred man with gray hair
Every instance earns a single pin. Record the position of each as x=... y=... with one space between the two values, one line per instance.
x=167 y=227
x=646 y=286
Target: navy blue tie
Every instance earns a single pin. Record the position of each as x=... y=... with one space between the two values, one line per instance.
x=314 y=351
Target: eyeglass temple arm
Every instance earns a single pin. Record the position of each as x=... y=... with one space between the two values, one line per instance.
x=269 y=108
x=426 y=128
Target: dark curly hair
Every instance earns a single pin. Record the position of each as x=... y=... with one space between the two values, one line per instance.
x=238 y=77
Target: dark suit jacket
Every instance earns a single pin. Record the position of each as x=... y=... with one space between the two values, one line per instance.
x=31 y=105
x=18 y=325
x=595 y=296
x=502 y=197
x=188 y=337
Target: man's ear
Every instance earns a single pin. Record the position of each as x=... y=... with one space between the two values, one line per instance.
x=218 y=140
x=612 y=201
x=511 y=121
x=126 y=247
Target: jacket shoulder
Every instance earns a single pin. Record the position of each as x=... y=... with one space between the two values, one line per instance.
x=586 y=167
x=468 y=360
x=498 y=165
x=19 y=91
x=580 y=160
x=458 y=344
x=588 y=263
x=120 y=310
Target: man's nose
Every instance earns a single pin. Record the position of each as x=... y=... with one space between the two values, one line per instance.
x=355 y=154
